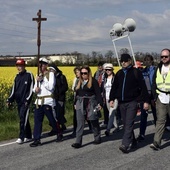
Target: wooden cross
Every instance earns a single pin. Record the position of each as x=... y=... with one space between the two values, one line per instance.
x=39 y=19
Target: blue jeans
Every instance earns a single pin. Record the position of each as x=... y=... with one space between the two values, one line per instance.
x=38 y=120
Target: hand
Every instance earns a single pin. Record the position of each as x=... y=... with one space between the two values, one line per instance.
x=37 y=90
x=39 y=78
x=99 y=107
x=26 y=104
x=8 y=104
x=145 y=106
x=111 y=103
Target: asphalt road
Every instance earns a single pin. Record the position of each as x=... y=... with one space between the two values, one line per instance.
x=106 y=156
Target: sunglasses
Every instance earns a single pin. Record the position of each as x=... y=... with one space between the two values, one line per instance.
x=108 y=69
x=164 y=56
x=125 y=61
x=84 y=73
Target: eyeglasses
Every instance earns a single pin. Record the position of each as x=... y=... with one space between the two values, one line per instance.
x=108 y=69
x=124 y=61
x=85 y=73
x=164 y=56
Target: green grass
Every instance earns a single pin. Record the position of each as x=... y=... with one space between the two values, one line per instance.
x=9 y=122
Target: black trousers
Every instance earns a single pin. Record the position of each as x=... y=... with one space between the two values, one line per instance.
x=128 y=112
x=25 y=129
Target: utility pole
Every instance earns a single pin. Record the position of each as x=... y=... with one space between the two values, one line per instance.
x=19 y=53
x=39 y=19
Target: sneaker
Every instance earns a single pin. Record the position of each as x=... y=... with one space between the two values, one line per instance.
x=76 y=145
x=155 y=147
x=19 y=141
x=59 y=138
x=140 y=138
x=35 y=143
x=124 y=149
x=107 y=133
x=27 y=140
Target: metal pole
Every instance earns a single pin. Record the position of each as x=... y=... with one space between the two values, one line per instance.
x=132 y=51
x=116 y=54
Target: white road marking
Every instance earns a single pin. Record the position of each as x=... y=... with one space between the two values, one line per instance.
x=6 y=144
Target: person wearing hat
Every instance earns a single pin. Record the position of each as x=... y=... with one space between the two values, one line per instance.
x=45 y=102
x=110 y=112
x=128 y=89
x=22 y=93
x=61 y=88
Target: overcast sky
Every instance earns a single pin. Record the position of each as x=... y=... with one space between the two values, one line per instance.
x=82 y=25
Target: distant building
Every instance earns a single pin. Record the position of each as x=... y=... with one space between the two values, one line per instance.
x=63 y=58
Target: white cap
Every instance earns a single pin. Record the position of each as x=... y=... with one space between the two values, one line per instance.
x=108 y=66
x=43 y=60
x=104 y=65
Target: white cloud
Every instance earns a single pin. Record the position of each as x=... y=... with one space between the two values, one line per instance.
x=82 y=25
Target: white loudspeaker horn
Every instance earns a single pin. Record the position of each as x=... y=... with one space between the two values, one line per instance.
x=129 y=25
x=118 y=29
x=112 y=32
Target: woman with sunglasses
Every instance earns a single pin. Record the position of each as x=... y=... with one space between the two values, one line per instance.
x=88 y=106
x=107 y=84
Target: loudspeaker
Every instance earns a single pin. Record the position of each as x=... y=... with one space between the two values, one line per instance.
x=117 y=28
x=129 y=25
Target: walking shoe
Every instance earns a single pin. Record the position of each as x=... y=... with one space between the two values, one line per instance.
x=134 y=144
x=155 y=147
x=96 y=142
x=124 y=149
x=63 y=127
x=76 y=145
x=59 y=138
x=35 y=143
x=27 y=140
x=116 y=130
x=19 y=141
x=73 y=134
x=107 y=133
x=52 y=133
x=140 y=138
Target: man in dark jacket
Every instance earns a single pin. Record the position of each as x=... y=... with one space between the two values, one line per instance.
x=22 y=94
x=61 y=88
x=129 y=88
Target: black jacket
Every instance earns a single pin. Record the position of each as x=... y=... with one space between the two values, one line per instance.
x=61 y=87
x=130 y=86
x=22 y=88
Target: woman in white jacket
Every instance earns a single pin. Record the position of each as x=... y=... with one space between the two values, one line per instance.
x=107 y=84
